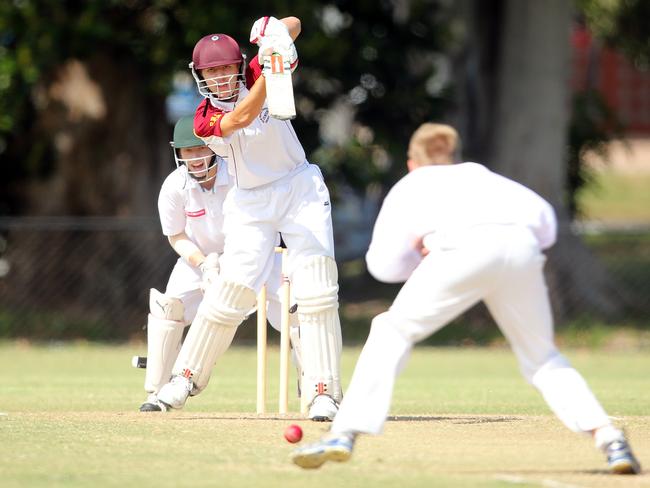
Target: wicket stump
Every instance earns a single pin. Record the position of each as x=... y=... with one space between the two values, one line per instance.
x=285 y=351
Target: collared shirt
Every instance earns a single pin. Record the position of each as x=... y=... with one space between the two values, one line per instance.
x=442 y=201
x=261 y=153
x=184 y=206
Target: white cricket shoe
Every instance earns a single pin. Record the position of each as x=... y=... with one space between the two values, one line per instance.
x=323 y=409
x=152 y=404
x=332 y=447
x=613 y=443
x=174 y=394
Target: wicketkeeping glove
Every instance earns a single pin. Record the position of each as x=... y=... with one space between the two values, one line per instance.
x=209 y=269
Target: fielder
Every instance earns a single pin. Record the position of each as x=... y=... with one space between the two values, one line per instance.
x=484 y=236
x=190 y=208
x=276 y=190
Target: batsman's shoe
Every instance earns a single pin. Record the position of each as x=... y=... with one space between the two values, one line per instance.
x=152 y=404
x=323 y=409
x=620 y=458
x=174 y=394
x=332 y=447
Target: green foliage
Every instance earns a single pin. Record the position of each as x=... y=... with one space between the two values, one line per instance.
x=593 y=124
x=622 y=24
x=52 y=326
x=368 y=55
x=375 y=55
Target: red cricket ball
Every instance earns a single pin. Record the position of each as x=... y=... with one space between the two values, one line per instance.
x=293 y=433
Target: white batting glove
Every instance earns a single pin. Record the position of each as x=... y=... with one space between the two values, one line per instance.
x=209 y=270
x=287 y=51
x=268 y=26
x=272 y=36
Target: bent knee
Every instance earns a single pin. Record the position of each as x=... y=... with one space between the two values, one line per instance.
x=315 y=285
x=227 y=303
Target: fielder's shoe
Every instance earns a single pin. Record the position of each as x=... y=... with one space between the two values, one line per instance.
x=332 y=447
x=152 y=404
x=620 y=458
x=323 y=408
x=174 y=394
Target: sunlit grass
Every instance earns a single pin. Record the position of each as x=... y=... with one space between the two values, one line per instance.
x=71 y=421
x=616 y=196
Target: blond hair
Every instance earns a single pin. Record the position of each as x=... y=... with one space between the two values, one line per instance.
x=433 y=144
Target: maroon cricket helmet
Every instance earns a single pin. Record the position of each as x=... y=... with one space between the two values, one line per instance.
x=216 y=50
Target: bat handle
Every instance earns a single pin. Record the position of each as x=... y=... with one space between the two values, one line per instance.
x=139 y=362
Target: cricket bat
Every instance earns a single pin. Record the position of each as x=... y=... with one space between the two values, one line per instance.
x=279 y=87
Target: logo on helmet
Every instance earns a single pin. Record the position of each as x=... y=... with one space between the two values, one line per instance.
x=215 y=38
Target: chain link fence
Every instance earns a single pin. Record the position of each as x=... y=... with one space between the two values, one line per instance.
x=63 y=278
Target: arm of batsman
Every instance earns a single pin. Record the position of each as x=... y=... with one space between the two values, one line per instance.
x=209 y=269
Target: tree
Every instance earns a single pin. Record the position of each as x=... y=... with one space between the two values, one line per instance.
x=522 y=96
x=82 y=105
x=83 y=87
x=622 y=24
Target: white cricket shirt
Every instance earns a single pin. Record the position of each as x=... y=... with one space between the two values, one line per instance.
x=183 y=206
x=442 y=201
x=261 y=153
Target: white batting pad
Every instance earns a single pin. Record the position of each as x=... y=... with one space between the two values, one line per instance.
x=163 y=343
x=164 y=334
x=315 y=286
x=223 y=308
x=568 y=395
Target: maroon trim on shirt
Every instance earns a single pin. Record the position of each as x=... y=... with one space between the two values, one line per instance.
x=253 y=72
x=195 y=213
x=207 y=120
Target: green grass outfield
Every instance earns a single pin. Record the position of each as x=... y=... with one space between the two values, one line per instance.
x=464 y=417
x=615 y=196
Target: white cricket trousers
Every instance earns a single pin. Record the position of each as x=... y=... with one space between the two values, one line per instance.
x=501 y=265
x=298 y=206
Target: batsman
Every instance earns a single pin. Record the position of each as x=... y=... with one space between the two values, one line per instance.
x=276 y=190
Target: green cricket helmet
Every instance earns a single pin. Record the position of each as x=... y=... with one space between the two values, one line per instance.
x=184 y=137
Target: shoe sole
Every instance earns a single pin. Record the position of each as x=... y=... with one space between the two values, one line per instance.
x=624 y=467
x=150 y=407
x=316 y=460
x=167 y=407
x=320 y=418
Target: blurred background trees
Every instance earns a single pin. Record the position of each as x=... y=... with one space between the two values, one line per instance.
x=84 y=128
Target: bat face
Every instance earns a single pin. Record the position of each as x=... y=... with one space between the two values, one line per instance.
x=279 y=87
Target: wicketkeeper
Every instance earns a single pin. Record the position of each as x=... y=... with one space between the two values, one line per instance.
x=276 y=190
x=190 y=209
x=458 y=234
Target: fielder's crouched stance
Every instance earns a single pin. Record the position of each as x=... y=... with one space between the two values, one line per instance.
x=190 y=208
x=484 y=235
x=276 y=190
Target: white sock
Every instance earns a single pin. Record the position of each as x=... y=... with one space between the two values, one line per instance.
x=345 y=433
x=607 y=434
